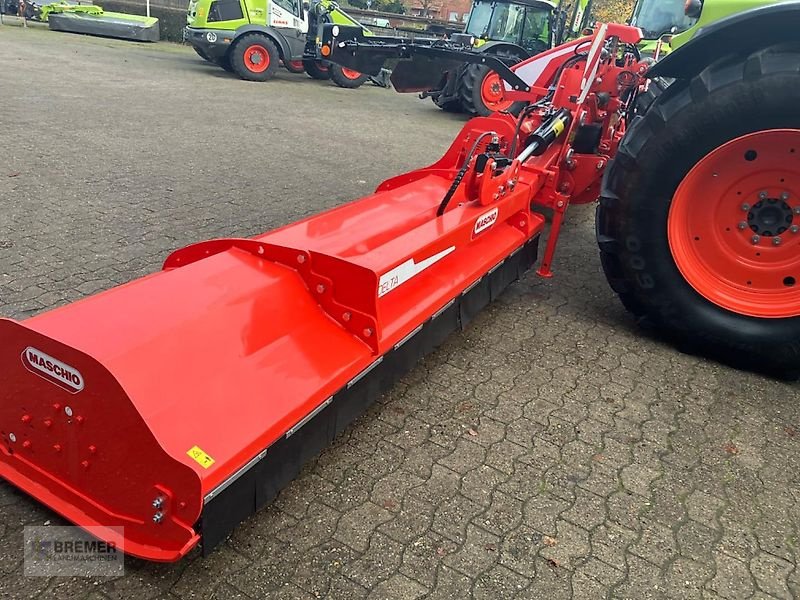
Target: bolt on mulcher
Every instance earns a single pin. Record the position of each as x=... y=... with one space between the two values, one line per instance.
x=178 y=404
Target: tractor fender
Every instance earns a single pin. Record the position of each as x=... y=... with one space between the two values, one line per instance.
x=740 y=34
x=503 y=48
x=272 y=33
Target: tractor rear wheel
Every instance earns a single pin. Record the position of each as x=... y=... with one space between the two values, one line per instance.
x=699 y=223
x=317 y=69
x=294 y=66
x=347 y=78
x=482 y=93
x=254 y=57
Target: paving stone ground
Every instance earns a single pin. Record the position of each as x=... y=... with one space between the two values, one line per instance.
x=552 y=450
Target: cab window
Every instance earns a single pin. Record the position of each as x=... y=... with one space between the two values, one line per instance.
x=506 y=23
x=293 y=6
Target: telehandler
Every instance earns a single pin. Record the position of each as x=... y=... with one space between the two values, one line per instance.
x=162 y=412
x=252 y=38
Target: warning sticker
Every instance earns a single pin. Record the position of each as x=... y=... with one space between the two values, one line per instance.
x=200 y=457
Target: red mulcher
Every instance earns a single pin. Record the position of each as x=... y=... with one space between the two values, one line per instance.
x=180 y=403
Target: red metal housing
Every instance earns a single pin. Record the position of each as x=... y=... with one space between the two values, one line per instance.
x=179 y=403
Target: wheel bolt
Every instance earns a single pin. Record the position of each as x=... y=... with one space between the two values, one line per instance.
x=797 y=210
x=776 y=241
x=742 y=225
x=762 y=195
x=755 y=239
x=745 y=207
x=794 y=228
x=784 y=196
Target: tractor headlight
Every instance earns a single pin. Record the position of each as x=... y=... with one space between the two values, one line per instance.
x=693 y=8
x=211 y=37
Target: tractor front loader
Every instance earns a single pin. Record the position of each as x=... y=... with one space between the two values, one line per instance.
x=168 y=409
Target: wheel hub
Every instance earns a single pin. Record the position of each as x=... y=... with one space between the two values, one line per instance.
x=770 y=217
x=256 y=58
x=734 y=225
x=493 y=94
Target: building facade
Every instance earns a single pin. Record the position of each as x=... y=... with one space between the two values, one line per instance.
x=455 y=11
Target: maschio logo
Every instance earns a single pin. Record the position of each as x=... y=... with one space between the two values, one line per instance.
x=52 y=369
x=485 y=221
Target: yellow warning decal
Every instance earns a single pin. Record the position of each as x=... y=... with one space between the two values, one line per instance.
x=202 y=459
x=558 y=127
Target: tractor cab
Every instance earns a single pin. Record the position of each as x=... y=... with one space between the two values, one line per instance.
x=659 y=17
x=524 y=23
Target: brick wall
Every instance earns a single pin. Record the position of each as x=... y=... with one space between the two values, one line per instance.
x=440 y=9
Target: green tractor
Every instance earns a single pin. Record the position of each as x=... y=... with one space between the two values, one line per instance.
x=516 y=30
x=252 y=38
x=511 y=30
x=657 y=18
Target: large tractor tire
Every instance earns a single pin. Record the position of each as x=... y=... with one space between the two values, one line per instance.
x=294 y=66
x=655 y=88
x=317 y=69
x=347 y=78
x=254 y=57
x=699 y=223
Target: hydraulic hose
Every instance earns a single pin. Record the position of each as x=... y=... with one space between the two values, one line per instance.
x=460 y=175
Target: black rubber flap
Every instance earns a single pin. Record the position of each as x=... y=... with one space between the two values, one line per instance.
x=262 y=479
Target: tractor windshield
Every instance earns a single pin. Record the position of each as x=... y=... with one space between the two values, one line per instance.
x=506 y=23
x=526 y=26
x=479 y=18
x=536 y=32
x=657 y=17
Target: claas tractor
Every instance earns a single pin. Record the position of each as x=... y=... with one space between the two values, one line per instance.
x=659 y=18
x=252 y=38
x=161 y=413
x=512 y=31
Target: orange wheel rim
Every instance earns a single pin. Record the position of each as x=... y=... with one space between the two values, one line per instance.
x=350 y=74
x=493 y=93
x=734 y=225
x=256 y=58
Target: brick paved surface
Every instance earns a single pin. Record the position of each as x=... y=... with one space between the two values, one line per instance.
x=553 y=450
